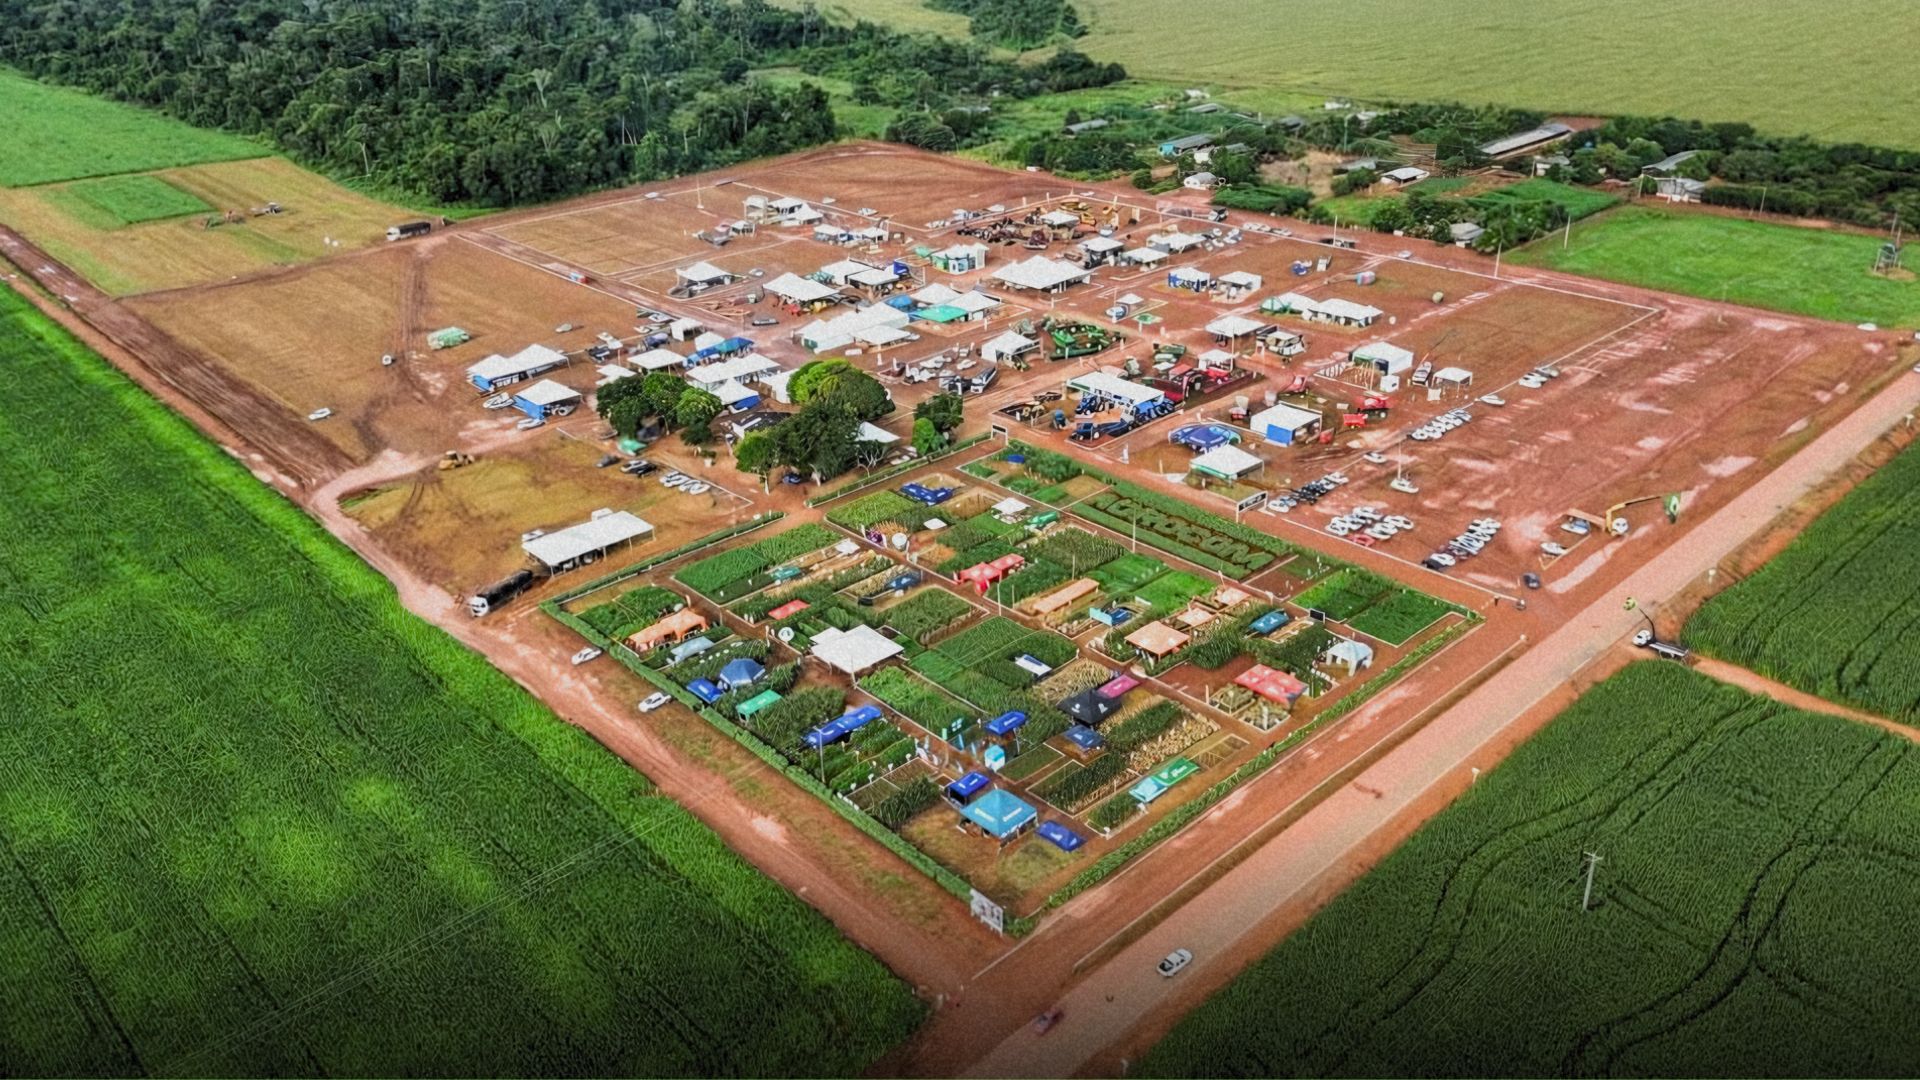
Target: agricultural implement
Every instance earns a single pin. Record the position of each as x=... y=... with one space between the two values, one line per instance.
x=1072 y=340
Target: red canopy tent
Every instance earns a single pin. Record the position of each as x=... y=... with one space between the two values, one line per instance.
x=1272 y=684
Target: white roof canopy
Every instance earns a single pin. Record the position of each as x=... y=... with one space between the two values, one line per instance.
x=854 y=651
x=1189 y=273
x=1240 y=279
x=799 y=290
x=658 y=360
x=935 y=294
x=602 y=531
x=875 y=434
x=1061 y=218
x=1233 y=326
x=530 y=359
x=845 y=268
x=1101 y=243
x=1176 y=240
x=1008 y=343
x=548 y=392
x=1009 y=506
x=702 y=272
x=874 y=277
x=1227 y=460
x=1113 y=386
x=1336 y=308
x=1144 y=255
x=974 y=303
x=745 y=366
x=732 y=393
x=1042 y=273
x=1283 y=416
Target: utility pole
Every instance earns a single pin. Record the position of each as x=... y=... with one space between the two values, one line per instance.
x=1586 y=899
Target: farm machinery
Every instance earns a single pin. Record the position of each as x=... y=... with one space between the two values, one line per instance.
x=1072 y=340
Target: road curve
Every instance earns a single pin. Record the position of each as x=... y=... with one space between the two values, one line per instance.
x=1126 y=994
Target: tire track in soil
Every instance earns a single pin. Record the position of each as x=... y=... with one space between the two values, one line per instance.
x=302 y=454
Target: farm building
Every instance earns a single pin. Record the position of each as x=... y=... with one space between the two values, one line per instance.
x=1226 y=463
x=1240 y=279
x=1112 y=387
x=577 y=545
x=748 y=368
x=497 y=371
x=960 y=258
x=843 y=271
x=1100 y=249
x=1525 y=141
x=1285 y=424
x=545 y=398
x=801 y=292
x=1041 y=274
x=1144 y=256
x=1205 y=155
x=735 y=397
x=1277 y=686
x=1354 y=656
x=1464 y=233
x=657 y=360
x=1189 y=277
x=1007 y=346
x=1341 y=312
x=1668 y=165
x=1405 y=174
x=1157 y=640
x=1230 y=328
x=1065 y=596
x=675 y=627
x=854 y=651
x=858 y=325
x=1184 y=144
x=983 y=575
x=1000 y=814
x=1382 y=357
x=1200 y=181
x=704 y=274
x=1284 y=342
x=1175 y=242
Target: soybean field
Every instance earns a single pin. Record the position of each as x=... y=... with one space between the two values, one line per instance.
x=255 y=819
x=1837 y=613
x=1750 y=914
x=55 y=133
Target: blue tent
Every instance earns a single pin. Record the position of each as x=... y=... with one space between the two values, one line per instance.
x=1006 y=723
x=744 y=671
x=968 y=786
x=1060 y=836
x=901 y=302
x=1271 y=621
x=705 y=690
x=733 y=345
x=1085 y=738
x=999 y=814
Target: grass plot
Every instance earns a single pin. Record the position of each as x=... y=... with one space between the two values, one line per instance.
x=54 y=133
x=111 y=202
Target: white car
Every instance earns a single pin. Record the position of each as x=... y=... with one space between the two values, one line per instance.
x=1339 y=528
x=1531 y=382
x=1643 y=638
x=696 y=488
x=1576 y=526
x=1443 y=558
x=530 y=423
x=1375 y=457
x=1492 y=399
x=1398 y=521
x=1553 y=549
x=1176 y=961
x=584 y=655
x=654 y=701
x=1338 y=478
x=319 y=414
x=497 y=401
x=1382 y=531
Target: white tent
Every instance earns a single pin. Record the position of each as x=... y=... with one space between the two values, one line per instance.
x=563 y=548
x=742 y=368
x=1387 y=359
x=875 y=434
x=703 y=273
x=854 y=651
x=1144 y=256
x=658 y=360
x=935 y=295
x=1042 y=274
x=798 y=290
x=1234 y=326
x=1008 y=344
x=1240 y=279
x=1227 y=461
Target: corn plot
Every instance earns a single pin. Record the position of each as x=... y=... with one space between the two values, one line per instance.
x=257 y=820
x=1838 y=612
x=1752 y=913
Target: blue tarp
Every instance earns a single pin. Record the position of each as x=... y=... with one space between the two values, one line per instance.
x=999 y=814
x=855 y=719
x=690 y=648
x=1006 y=723
x=1060 y=836
x=902 y=302
x=742 y=672
x=1085 y=737
x=1271 y=621
x=968 y=786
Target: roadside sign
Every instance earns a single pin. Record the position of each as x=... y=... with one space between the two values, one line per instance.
x=988 y=912
x=1251 y=501
x=1673 y=508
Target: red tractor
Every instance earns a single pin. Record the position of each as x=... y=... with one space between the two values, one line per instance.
x=1375 y=403
x=1353 y=420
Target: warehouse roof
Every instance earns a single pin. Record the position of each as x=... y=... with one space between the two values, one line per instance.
x=1534 y=137
x=936 y=293
x=605 y=529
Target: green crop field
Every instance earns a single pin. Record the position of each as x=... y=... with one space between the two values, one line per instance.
x=1752 y=911
x=258 y=820
x=1826 y=274
x=54 y=133
x=1835 y=613
x=113 y=201
x=1579 y=202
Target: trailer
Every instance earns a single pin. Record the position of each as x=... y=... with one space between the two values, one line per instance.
x=497 y=594
x=407 y=230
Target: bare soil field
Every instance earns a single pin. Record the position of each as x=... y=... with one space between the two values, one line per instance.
x=869 y=176
x=636 y=233
x=318 y=218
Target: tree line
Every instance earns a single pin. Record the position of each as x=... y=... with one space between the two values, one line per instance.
x=498 y=102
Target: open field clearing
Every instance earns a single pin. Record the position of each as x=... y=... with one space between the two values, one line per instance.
x=54 y=133
x=1828 y=275
x=132 y=254
x=1834 y=614
x=1747 y=917
x=261 y=821
x=1564 y=56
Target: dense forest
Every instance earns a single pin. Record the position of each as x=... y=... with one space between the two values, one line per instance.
x=494 y=102
x=1016 y=24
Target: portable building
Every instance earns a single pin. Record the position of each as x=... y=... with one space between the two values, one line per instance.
x=1285 y=424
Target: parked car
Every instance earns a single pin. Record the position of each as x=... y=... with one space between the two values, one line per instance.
x=639 y=467
x=606 y=460
x=793 y=478
x=765 y=320
x=530 y=423
x=319 y=414
x=584 y=655
x=1176 y=960
x=1045 y=1021
x=1442 y=558
x=1553 y=549
x=698 y=487
x=654 y=701
x=498 y=401
x=1374 y=457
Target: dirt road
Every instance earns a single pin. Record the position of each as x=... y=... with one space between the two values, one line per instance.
x=1121 y=1006
x=1753 y=682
